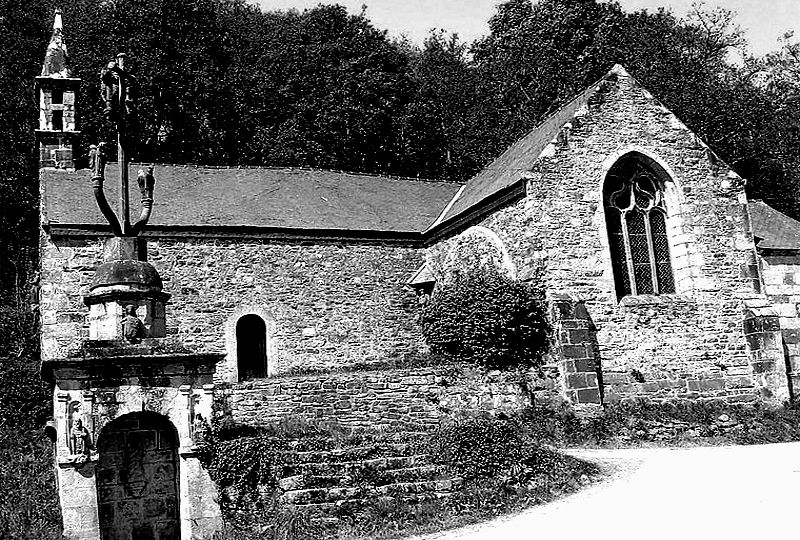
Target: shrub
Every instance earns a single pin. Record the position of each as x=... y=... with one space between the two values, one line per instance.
x=673 y=422
x=478 y=448
x=243 y=468
x=487 y=318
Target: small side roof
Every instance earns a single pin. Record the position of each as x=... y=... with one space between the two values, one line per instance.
x=773 y=230
x=192 y=197
x=423 y=276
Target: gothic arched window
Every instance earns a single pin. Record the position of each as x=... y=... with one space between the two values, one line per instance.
x=633 y=196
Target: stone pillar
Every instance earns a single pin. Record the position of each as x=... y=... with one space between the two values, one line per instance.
x=200 y=511
x=762 y=331
x=61 y=404
x=75 y=477
x=576 y=343
x=185 y=427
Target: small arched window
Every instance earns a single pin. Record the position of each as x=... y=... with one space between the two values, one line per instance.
x=633 y=196
x=251 y=347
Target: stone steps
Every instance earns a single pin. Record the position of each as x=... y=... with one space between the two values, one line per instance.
x=324 y=510
x=355 y=477
x=355 y=453
x=332 y=481
x=322 y=467
x=328 y=481
x=348 y=493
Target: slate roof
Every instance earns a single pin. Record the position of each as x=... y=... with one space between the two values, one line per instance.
x=507 y=169
x=773 y=230
x=197 y=197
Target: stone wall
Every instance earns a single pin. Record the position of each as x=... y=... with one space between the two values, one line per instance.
x=411 y=399
x=325 y=305
x=685 y=345
x=781 y=277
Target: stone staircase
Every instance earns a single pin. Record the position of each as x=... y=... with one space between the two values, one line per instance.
x=332 y=482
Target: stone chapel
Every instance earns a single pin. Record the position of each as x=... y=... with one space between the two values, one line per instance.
x=289 y=292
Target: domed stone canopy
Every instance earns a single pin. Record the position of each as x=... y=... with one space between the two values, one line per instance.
x=132 y=273
x=126 y=293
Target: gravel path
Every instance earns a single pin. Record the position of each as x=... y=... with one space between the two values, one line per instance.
x=727 y=492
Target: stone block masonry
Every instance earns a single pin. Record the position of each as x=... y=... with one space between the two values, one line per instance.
x=689 y=344
x=414 y=399
x=327 y=306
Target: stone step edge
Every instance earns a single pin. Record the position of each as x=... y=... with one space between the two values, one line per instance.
x=421 y=473
x=332 y=494
x=415 y=497
x=375 y=462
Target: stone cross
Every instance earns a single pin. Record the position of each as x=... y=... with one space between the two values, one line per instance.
x=118 y=92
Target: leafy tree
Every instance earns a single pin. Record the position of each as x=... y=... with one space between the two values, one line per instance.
x=536 y=57
x=487 y=318
x=441 y=121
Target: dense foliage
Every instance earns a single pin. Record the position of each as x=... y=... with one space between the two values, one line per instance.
x=487 y=318
x=478 y=448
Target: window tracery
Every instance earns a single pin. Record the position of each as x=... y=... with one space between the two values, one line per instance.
x=636 y=213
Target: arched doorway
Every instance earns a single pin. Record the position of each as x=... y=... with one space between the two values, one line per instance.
x=251 y=347
x=137 y=479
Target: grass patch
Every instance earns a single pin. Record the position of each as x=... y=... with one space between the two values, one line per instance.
x=678 y=423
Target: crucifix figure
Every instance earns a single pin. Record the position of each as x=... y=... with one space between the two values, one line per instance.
x=118 y=92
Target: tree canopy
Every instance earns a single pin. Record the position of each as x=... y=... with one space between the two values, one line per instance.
x=223 y=82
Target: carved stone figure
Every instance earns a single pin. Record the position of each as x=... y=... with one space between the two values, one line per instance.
x=97 y=159
x=109 y=88
x=132 y=328
x=119 y=102
x=146 y=183
x=199 y=430
x=80 y=439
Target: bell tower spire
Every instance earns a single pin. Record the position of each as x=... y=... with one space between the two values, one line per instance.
x=57 y=89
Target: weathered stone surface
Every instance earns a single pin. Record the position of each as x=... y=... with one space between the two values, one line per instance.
x=353 y=297
x=558 y=232
x=407 y=399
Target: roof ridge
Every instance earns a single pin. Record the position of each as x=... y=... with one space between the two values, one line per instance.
x=583 y=94
x=290 y=168
x=484 y=185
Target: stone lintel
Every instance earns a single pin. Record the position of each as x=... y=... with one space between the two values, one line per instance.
x=174 y=367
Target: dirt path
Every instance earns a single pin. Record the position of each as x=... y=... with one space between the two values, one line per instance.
x=726 y=493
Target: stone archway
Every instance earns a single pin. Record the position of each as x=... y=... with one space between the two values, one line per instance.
x=137 y=479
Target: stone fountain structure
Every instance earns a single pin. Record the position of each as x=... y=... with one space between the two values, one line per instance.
x=130 y=402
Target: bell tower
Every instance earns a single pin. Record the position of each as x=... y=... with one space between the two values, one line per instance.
x=56 y=90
